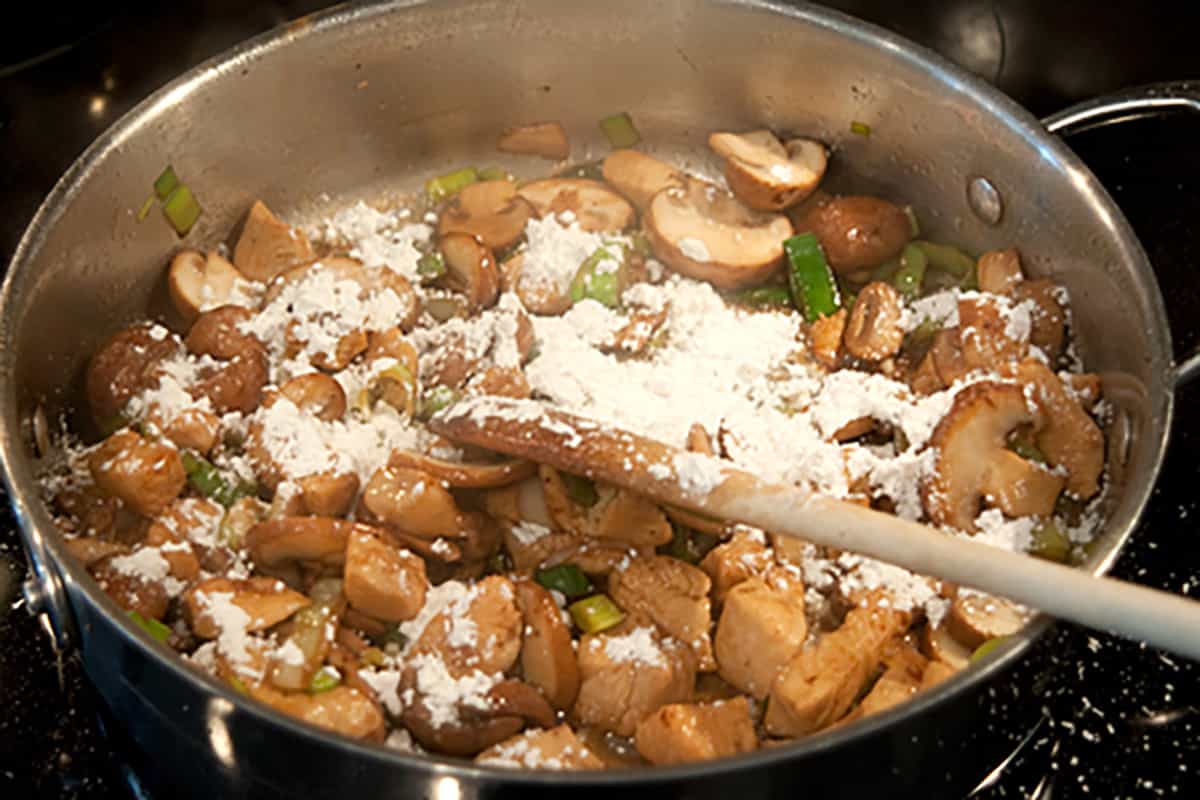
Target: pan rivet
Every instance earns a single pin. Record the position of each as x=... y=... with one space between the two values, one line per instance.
x=985 y=200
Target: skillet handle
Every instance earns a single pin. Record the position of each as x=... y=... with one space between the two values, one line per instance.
x=1131 y=104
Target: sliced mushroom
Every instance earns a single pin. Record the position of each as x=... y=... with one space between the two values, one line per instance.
x=369 y=279
x=639 y=333
x=519 y=502
x=545 y=139
x=547 y=652
x=144 y=475
x=985 y=334
x=391 y=343
x=238 y=384
x=87 y=550
x=999 y=271
x=196 y=282
x=976 y=618
x=491 y=211
x=1021 y=488
x=316 y=394
x=411 y=501
x=509 y=705
x=218 y=333
x=266 y=602
x=704 y=233
x=857 y=232
x=597 y=208
x=859 y=426
x=766 y=174
x=873 y=331
x=639 y=176
x=498 y=381
x=1048 y=318
x=464 y=475
x=267 y=246
x=967 y=442
x=382 y=580
x=470 y=269
x=1065 y=433
x=941 y=646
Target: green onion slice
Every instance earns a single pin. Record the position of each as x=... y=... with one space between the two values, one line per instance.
x=860 y=128
x=598 y=278
x=494 y=174
x=431 y=266
x=619 y=130
x=205 y=478
x=809 y=278
x=763 y=297
x=946 y=257
x=323 y=680
x=434 y=400
x=595 y=614
x=181 y=209
x=566 y=578
x=690 y=545
x=166 y=183
x=159 y=631
x=439 y=188
x=987 y=647
x=1050 y=543
x=910 y=277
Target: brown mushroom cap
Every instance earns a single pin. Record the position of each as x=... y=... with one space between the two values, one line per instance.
x=639 y=176
x=465 y=475
x=597 y=208
x=705 y=233
x=967 y=438
x=942 y=647
x=491 y=211
x=265 y=600
x=764 y=173
x=547 y=652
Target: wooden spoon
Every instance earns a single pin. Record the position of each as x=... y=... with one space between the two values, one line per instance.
x=717 y=488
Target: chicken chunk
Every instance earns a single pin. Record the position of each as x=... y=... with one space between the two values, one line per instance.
x=146 y=476
x=476 y=628
x=674 y=595
x=761 y=629
x=900 y=681
x=557 y=748
x=683 y=732
x=625 y=678
x=819 y=684
x=732 y=562
x=383 y=580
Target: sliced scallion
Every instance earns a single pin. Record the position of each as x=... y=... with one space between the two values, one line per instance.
x=151 y=626
x=619 y=130
x=323 y=680
x=494 y=174
x=910 y=277
x=598 y=278
x=443 y=186
x=166 y=183
x=947 y=258
x=434 y=400
x=181 y=209
x=860 y=128
x=431 y=266
x=986 y=648
x=566 y=578
x=810 y=280
x=1049 y=542
x=205 y=478
x=595 y=614
x=763 y=297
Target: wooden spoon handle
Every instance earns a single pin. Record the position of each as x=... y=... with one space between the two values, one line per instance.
x=717 y=488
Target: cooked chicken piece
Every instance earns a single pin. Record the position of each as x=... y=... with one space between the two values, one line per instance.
x=682 y=733
x=674 y=595
x=144 y=475
x=936 y=672
x=734 y=561
x=179 y=555
x=383 y=580
x=625 y=678
x=266 y=602
x=341 y=709
x=820 y=683
x=761 y=629
x=130 y=590
x=556 y=748
x=483 y=634
x=900 y=681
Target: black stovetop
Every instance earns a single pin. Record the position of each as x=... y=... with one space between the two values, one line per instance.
x=1120 y=719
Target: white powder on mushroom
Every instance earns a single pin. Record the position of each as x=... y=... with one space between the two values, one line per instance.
x=554 y=251
x=695 y=249
x=444 y=695
x=379 y=238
